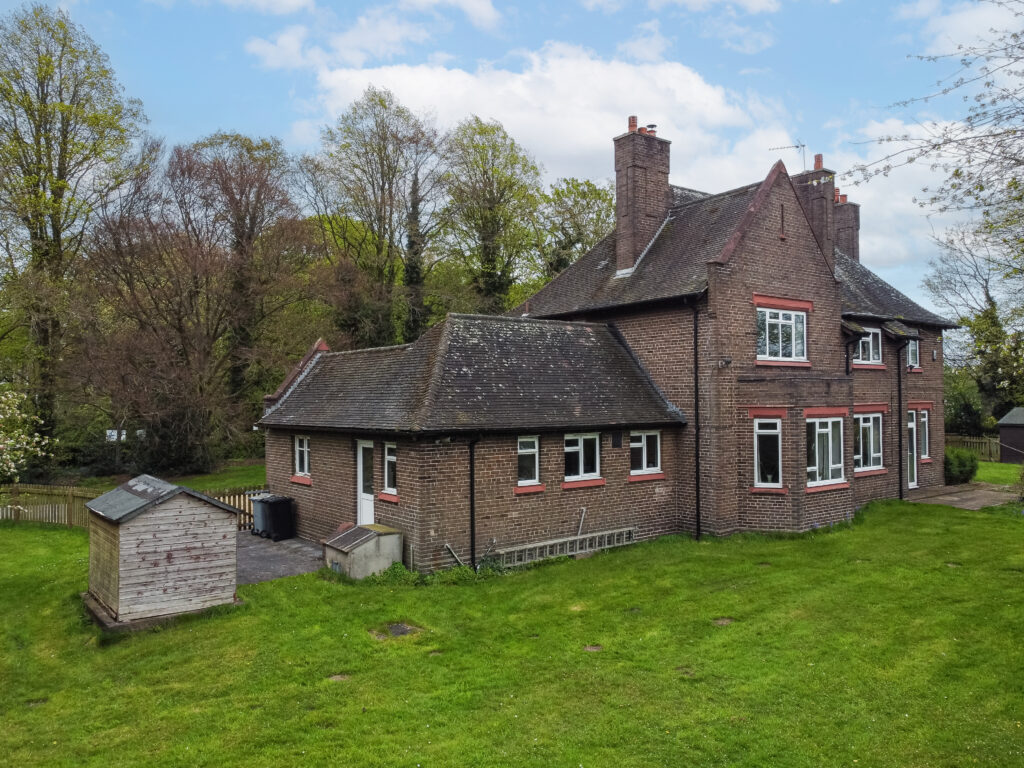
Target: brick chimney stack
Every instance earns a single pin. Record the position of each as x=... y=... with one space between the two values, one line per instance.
x=817 y=193
x=847 y=223
x=642 y=194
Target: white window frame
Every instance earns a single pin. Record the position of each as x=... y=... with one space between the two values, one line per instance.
x=827 y=423
x=535 y=452
x=780 y=321
x=916 y=361
x=642 y=436
x=923 y=428
x=859 y=420
x=871 y=335
x=390 y=457
x=777 y=431
x=578 y=448
x=300 y=455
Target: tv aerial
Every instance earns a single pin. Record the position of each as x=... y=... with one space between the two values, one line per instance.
x=799 y=145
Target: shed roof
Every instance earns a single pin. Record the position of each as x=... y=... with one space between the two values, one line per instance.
x=475 y=373
x=134 y=497
x=1015 y=418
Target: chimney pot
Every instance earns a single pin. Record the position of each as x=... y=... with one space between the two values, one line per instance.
x=641 y=129
x=819 y=162
x=632 y=123
x=842 y=198
x=836 y=198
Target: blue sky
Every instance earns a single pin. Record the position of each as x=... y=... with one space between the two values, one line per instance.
x=725 y=80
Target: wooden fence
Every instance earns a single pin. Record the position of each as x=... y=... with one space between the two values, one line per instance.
x=987 y=448
x=65 y=505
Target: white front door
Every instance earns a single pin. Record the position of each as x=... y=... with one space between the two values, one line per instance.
x=912 y=449
x=364 y=481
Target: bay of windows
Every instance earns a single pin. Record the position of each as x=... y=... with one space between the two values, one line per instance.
x=824 y=451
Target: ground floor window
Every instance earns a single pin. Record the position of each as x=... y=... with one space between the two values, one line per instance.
x=529 y=464
x=824 y=451
x=923 y=429
x=582 y=457
x=301 y=460
x=644 y=453
x=768 y=453
x=390 y=468
x=867 y=441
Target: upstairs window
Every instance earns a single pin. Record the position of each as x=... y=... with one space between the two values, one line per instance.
x=301 y=454
x=767 y=453
x=781 y=334
x=582 y=457
x=824 y=451
x=644 y=453
x=867 y=441
x=913 y=354
x=870 y=348
x=529 y=463
x=390 y=468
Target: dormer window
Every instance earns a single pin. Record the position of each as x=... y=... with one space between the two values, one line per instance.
x=781 y=334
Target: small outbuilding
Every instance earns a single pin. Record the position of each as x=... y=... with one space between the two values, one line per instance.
x=1011 y=437
x=157 y=550
x=364 y=550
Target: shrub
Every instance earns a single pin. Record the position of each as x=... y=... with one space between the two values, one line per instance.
x=960 y=464
x=395 y=575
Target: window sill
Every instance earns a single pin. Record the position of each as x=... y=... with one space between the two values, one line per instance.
x=639 y=478
x=392 y=497
x=772 y=491
x=569 y=484
x=785 y=363
x=868 y=366
x=870 y=472
x=301 y=480
x=521 y=490
x=915 y=370
x=829 y=487
x=927 y=460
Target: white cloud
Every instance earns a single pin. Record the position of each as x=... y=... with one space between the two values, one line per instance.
x=918 y=9
x=481 y=13
x=647 y=44
x=750 y=6
x=285 y=51
x=607 y=6
x=965 y=23
x=377 y=34
x=279 y=7
x=739 y=37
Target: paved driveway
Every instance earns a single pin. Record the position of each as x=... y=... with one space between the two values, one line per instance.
x=265 y=560
x=967 y=496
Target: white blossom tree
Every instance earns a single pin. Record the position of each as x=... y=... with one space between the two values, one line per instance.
x=19 y=440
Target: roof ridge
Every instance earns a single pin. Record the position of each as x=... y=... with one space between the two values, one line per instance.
x=710 y=197
x=433 y=372
x=388 y=348
x=526 y=319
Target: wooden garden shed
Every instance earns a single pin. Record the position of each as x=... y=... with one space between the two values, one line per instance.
x=157 y=550
x=1011 y=437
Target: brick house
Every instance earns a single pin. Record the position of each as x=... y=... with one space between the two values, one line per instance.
x=719 y=363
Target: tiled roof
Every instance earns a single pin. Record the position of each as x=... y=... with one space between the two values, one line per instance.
x=674 y=265
x=866 y=295
x=479 y=373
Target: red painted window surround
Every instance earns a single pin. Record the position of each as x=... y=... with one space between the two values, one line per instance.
x=768 y=412
x=582 y=483
x=651 y=476
x=870 y=472
x=869 y=366
x=920 y=405
x=773 y=491
x=915 y=370
x=521 y=490
x=825 y=412
x=388 y=497
x=927 y=460
x=301 y=480
x=830 y=487
x=785 y=363
x=870 y=407
x=778 y=302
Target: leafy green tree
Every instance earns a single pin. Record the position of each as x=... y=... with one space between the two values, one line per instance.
x=573 y=216
x=494 y=188
x=65 y=127
x=963 y=406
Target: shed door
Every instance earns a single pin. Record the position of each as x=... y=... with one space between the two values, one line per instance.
x=364 y=481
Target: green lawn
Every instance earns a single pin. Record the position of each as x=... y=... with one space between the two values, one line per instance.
x=1000 y=474
x=898 y=641
x=230 y=476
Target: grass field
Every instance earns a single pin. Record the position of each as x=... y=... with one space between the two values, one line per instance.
x=1000 y=474
x=230 y=476
x=896 y=641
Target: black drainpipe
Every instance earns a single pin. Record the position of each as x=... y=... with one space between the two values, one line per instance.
x=696 y=417
x=472 y=500
x=901 y=417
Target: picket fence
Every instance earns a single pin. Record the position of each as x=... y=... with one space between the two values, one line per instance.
x=65 y=505
x=986 y=448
